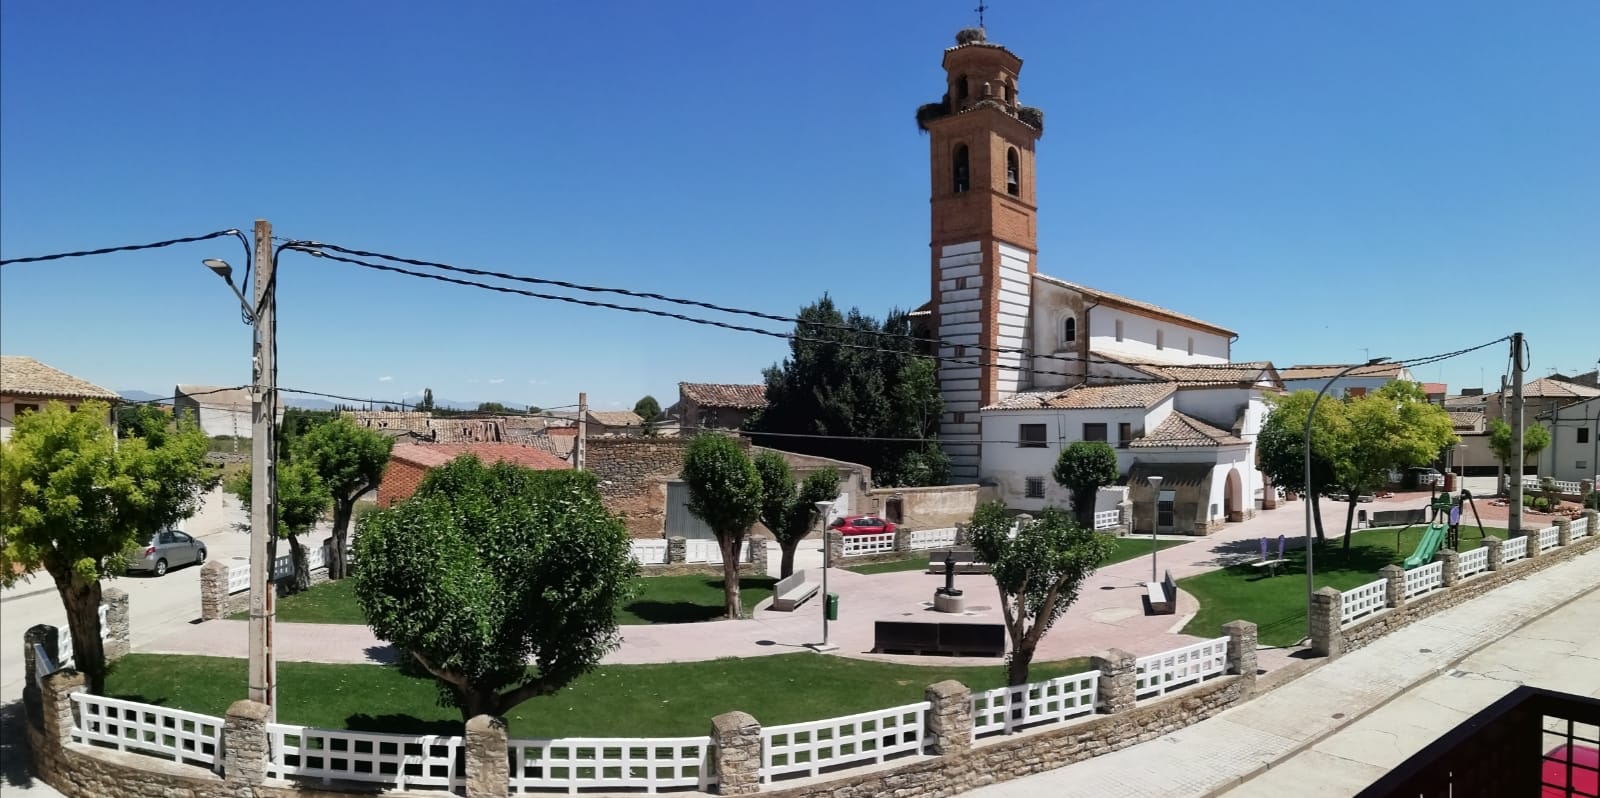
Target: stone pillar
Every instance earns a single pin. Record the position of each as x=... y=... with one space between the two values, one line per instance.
x=758 y=554
x=55 y=701
x=1395 y=591
x=1593 y=517
x=1124 y=518
x=1116 y=679
x=488 y=763
x=244 y=746
x=1269 y=494
x=963 y=537
x=1563 y=532
x=1497 y=559
x=902 y=540
x=213 y=591
x=1533 y=542
x=118 y=638
x=737 y=737
x=1241 y=649
x=1449 y=574
x=1327 y=615
x=835 y=544
x=46 y=636
x=949 y=717
x=677 y=550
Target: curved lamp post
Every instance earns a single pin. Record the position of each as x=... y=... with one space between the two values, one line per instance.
x=1309 y=497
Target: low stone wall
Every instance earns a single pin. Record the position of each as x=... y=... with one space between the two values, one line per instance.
x=216 y=603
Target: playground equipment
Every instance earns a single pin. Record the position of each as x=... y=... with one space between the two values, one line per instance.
x=1444 y=527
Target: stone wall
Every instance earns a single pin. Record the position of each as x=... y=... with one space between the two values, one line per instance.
x=216 y=603
x=633 y=474
x=927 y=508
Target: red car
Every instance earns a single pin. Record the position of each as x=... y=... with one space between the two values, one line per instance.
x=862 y=525
x=1581 y=762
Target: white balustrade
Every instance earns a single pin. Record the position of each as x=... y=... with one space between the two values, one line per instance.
x=1549 y=537
x=1580 y=528
x=710 y=552
x=1107 y=519
x=1533 y=484
x=1424 y=578
x=1359 y=602
x=238 y=578
x=932 y=538
x=1009 y=709
x=875 y=543
x=1159 y=674
x=400 y=761
x=64 y=652
x=809 y=748
x=1472 y=562
x=648 y=552
x=648 y=765
x=1515 y=548
x=130 y=726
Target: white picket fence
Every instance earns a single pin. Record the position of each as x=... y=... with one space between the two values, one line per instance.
x=1009 y=709
x=877 y=543
x=708 y=551
x=1515 y=548
x=401 y=760
x=1534 y=484
x=1424 y=578
x=1472 y=562
x=811 y=747
x=648 y=552
x=130 y=726
x=64 y=639
x=1580 y=527
x=1107 y=519
x=1159 y=674
x=932 y=538
x=1358 y=603
x=282 y=568
x=643 y=764
x=1549 y=538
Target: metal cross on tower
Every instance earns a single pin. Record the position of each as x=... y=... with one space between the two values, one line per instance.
x=982 y=7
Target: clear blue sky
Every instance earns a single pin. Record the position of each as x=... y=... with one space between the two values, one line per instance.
x=1327 y=179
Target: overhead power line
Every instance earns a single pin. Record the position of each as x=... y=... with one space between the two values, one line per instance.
x=123 y=248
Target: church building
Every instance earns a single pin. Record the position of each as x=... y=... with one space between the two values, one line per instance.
x=1030 y=363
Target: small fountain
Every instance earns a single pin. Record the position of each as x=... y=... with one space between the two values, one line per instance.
x=948 y=598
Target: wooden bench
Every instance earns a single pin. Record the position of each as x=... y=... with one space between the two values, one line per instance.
x=966 y=561
x=1161 y=597
x=953 y=638
x=792 y=591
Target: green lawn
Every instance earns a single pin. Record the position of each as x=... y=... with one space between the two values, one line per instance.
x=1278 y=604
x=661 y=599
x=1127 y=549
x=623 y=700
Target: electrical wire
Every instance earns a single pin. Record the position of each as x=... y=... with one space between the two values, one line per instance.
x=123 y=248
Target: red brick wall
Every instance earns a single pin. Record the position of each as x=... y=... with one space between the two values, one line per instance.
x=400 y=480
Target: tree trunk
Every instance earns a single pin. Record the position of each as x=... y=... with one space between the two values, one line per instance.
x=302 y=564
x=341 y=530
x=1350 y=518
x=1316 y=516
x=82 y=603
x=475 y=702
x=1083 y=507
x=730 y=577
x=786 y=565
x=1017 y=666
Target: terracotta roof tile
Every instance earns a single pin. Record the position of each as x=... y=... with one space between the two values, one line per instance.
x=1107 y=296
x=1088 y=397
x=1465 y=419
x=432 y=455
x=1327 y=371
x=616 y=418
x=1548 y=388
x=740 y=397
x=24 y=376
x=1181 y=431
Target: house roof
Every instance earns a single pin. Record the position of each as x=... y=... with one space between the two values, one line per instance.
x=1326 y=371
x=23 y=376
x=1089 y=397
x=1431 y=388
x=217 y=396
x=1117 y=299
x=432 y=455
x=1465 y=419
x=1184 y=431
x=559 y=445
x=1200 y=375
x=616 y=418
x=1550 y=388
x=709 y=394
x=1471 y=400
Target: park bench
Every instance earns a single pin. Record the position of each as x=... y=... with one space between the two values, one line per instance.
x=1162 y=596
x=1271 y=563
x=967 y=561
x=953 y=638
x=1387 y=518
x=792 y=591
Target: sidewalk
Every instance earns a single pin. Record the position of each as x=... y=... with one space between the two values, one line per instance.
x=1218 y=754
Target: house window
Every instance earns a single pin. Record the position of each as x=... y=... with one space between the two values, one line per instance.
x=1031 y=436
x=1013 y=172
x=1583 y=435
x=1355 y=392
x=1583 y=465
x=1094 y=432
x=1191 y=344
x=21 y=408
x=959 y=173
x=1161 y=339
x=1124 y=435
x=1033 y=488
x=1069 y=330
x=1119 y=329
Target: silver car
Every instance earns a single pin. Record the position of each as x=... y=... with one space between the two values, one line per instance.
x=166 y=549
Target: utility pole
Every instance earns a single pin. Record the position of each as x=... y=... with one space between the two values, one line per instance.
x=1514 y=521
x=581 y=450
x=263 y=481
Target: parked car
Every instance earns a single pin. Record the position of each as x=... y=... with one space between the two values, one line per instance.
x=862 y=525
x=1580 y=762
x=1426 y=477
x=166 y=549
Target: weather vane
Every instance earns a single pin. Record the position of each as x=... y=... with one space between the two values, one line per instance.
x=982 y=7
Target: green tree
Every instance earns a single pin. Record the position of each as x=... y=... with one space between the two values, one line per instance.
x=1534 y=441
x=298 y=421
x=787 y=509
x=487 y=568
x=725 y=492
x=1084 y=467
x=349 y=459
x=1038 y=572
x=1281 y=446
x=492 y=407
x=425 y=404
x=850 y=379
x=303 y=500
x=73 y=499
x=1392 y=428
x=143 y=421
x=648 y=409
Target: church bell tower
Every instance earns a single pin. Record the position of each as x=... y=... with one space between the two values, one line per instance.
x=984 y=235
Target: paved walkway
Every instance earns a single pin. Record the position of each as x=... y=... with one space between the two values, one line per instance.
x=1218 y=754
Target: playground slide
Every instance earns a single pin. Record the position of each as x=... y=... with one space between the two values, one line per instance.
x=1429 y=544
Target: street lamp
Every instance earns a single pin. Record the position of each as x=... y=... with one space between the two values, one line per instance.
x=823 y=507
x=1155 y=521
x=1308 y=495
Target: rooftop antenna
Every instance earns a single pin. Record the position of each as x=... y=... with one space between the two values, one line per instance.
x=982 y=7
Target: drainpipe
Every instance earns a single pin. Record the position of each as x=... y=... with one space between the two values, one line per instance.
x=1088 y=340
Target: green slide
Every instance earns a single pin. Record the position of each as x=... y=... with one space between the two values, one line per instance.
x=1430 y=544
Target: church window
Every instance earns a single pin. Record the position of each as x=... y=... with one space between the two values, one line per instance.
x=960 y=171
x=1069 y=330
x=961 y=88
x=1013 y=172
x=1011 y=91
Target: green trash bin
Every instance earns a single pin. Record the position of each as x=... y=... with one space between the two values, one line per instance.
x=830 y=606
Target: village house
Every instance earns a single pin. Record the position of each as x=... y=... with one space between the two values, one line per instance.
x=220 y=412
x=26 y=385
x=410 y=462
x=1574 y=451
x=1360 y=381
x=703 y=405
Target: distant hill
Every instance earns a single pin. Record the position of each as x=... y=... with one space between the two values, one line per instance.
x=144 y=396
x=314 y=403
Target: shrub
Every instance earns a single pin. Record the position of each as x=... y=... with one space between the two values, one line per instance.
x=1592 y=501
x=1541 y=504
